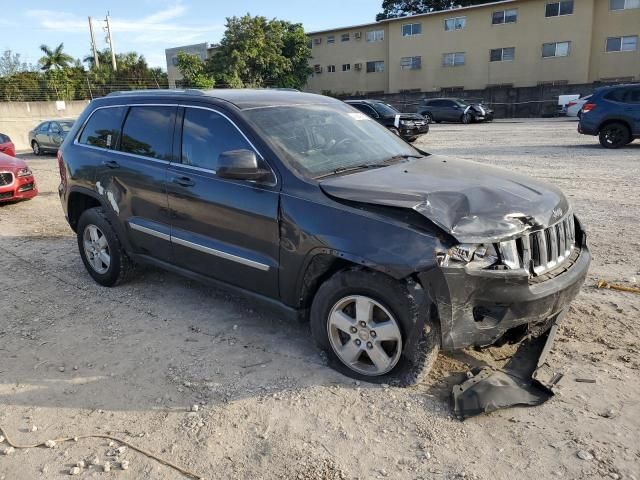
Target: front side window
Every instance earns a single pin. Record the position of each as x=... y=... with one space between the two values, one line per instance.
x=374 y=67
x=316 y=140
x=555 y=49
x=411 y=63
x=502 y=54
x=148 y=131
x=556 y=9
x=457 y=23
x=453 y=59
x=207 y=134
x=504 y=16
x=628 y=43
x=375 y=35
x=411 y=29
x=623 y=4
x=103 y=128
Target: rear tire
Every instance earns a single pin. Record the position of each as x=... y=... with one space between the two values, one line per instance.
x=101 y=250
x=428 y=117
x=373 y=351
x=614 y=135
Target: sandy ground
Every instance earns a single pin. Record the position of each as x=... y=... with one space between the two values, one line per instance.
x=76 y=358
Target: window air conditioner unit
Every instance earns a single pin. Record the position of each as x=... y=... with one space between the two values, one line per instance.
x=357 y=66
x=317 y=41
x=317 y=68
x=358 y=35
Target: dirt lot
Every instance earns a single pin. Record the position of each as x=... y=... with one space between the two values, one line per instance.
x=76 y=358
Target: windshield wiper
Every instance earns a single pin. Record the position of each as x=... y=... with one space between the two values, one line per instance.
x=362 y=166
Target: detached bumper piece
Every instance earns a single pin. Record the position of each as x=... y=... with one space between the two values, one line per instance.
x=526 y=380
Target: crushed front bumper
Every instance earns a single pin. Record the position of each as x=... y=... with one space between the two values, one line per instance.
x=477 y=307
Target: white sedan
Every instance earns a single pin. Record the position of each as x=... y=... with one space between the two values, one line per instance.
x=574 y=108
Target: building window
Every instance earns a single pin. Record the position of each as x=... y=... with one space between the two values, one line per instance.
x=622 y=44
x=556 y=49
x=377 y=66
x=346 y=67
x=453 y=59
x=457 y=23
x=345 y=37
x=411 y=29
x=502 y=54
x=411 y=63
x=174 y=61
x=505 y=16
x=331 y=69
x=375 y=35
x=331 y=39
x=623 y=4
x=555 y=9
x=317 y=41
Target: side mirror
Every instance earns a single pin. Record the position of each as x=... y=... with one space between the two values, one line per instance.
x=240 y=165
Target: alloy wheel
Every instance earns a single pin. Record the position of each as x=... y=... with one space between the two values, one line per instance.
x=96 y=249
x=614 y=135
x=364 y=335
x=36 y=148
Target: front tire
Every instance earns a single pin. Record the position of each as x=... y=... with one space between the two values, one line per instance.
x=466 y=118
x=361 y=319
x=35 y=146
x=101 y=250
x=614 y=135
x=428 y=117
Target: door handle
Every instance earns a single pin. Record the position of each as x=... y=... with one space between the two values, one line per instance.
x=111 y=164
x=183 y=181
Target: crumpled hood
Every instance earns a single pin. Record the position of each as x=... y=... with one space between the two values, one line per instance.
x=473 y=202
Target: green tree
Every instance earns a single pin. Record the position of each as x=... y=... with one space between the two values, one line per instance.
x=10 y=63
x=193 y=71
x=257 y=52
x=54 y=59
x=403 y=8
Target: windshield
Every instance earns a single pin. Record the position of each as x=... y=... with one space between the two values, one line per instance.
x=384 y=109
x=317 y=140
x=66 y=126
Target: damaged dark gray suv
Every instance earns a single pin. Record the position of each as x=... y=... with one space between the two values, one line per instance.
x=304 y=202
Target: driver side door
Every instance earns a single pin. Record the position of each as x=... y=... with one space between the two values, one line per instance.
x=221 y=228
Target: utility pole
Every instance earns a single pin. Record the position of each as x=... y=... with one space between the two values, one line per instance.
x=110 y=40
x=96 y=61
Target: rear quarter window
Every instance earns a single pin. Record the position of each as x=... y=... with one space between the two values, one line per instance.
x=103 y=128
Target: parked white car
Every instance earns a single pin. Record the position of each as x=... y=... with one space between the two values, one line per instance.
x=574 y=108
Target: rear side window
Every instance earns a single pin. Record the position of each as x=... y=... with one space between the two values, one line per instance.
x=206 y=135
x=103 y=128
x=624 y=95
x=148 y=131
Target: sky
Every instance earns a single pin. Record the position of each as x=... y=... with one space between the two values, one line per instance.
x=150 y=26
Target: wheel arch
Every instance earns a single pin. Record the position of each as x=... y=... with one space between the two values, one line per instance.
x=609 y=121
x=79 y=201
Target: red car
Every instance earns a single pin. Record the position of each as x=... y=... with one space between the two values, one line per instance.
x=16 y=179
x=6 y=145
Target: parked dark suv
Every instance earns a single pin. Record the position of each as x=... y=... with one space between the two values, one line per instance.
x=407 y=125
x=454 y=110
x=613 y=114
x=301 y=202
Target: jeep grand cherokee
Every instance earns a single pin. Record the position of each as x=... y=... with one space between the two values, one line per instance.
x=303 y=202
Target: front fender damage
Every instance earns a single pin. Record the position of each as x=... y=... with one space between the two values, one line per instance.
x=526 y=380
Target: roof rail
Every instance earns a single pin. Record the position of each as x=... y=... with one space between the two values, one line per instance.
x=160 y=91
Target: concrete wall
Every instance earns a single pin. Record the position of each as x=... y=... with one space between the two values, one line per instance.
x=17 y=118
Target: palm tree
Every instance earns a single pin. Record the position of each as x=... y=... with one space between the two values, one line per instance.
x=54 y=59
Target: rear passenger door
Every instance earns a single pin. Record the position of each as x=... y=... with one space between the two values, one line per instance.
x=221 y=228
x=42 y=134
x=131 y=177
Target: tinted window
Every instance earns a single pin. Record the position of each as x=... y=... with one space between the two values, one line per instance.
x=148 y=131
x=43 y=127
x=384 y=109
x=3 y=138
x=206 y=135
x=103 y=128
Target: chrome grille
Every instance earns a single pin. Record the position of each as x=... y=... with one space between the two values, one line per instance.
x=544 y=250
x=6 y=178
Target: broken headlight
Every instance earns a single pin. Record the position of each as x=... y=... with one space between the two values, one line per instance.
x=465 y=254
x=25 y=172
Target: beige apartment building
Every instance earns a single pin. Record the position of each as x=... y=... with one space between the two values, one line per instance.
x=519 y=43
